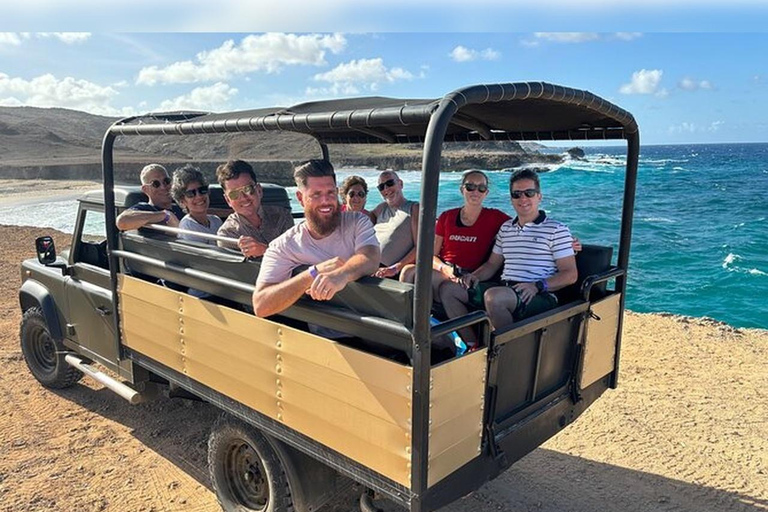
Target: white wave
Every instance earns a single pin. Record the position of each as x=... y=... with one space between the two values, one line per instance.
x=663 y=161
x=662 y=220
x=756 y=272
x=730 y=259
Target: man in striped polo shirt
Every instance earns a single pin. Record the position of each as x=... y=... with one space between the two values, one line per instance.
x=537 y=257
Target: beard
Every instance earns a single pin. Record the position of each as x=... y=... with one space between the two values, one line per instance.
x=323 y=226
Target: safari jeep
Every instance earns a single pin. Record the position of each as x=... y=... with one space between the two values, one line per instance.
x=302 y=414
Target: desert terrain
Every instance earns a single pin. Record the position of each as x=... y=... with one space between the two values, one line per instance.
x=687 y=429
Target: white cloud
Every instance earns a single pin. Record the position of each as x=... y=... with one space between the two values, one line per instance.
x=349 y=77
x=49 y=91
x=67 y=37
x=16 y=38
x=567 y=37
x=10 y=38
x=628 y=36
x=689 y=127
x=268 y=53
x=689 y=84
x=212 y=98
x=464 y=54
x=645 y=81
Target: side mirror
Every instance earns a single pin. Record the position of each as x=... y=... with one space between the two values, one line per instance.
x=46 y=250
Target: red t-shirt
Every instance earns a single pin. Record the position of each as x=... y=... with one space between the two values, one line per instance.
x=468 y=246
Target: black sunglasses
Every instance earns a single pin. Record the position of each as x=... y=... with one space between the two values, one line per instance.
x=529 y=192
x=352 y=193
x=471 y=187
x=156 y=183
x=389 y=183
x=192 y=192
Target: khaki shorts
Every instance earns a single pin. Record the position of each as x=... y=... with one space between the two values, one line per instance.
x=544 y=301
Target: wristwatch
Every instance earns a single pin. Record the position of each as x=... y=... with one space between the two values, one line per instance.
x=541 y=285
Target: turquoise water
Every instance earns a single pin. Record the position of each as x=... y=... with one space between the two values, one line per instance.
x=700 y=232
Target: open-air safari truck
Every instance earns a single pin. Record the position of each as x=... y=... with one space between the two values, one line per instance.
x=305 y=414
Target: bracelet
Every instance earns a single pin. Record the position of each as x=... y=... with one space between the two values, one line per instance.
x=167 y=216
x=313 y=271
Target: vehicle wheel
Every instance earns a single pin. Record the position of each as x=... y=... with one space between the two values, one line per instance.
x=244 y=469
x=43 y=354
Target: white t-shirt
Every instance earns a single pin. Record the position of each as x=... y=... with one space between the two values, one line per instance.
x=296 y=247
x=189 y=223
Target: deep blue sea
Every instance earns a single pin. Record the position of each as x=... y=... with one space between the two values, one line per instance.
x=700 y=235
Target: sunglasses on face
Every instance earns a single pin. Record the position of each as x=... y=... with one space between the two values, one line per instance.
x=158 y=183
x=529 y=192
x=352 y=193
x=235 y=193
x=192 y=192
x=386 y=184
x=471 y=187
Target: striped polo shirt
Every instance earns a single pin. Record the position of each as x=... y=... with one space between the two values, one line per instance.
x=530 y=251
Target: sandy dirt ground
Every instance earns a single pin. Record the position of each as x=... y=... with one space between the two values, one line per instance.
x=17 y=192
x=687 y=430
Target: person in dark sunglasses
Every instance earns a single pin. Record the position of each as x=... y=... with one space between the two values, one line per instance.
x=190 y=190
x=396 y=222
x=252 y=225
x=535 y=255
x=463 y=240
x=159 y=208
x=354 y=193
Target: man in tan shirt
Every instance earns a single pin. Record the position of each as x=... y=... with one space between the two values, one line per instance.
x=253 y=224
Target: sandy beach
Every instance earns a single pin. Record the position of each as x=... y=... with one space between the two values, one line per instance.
x=687 y=429
x=15 y=192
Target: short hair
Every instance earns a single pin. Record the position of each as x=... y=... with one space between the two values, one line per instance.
x=524 y=174
x=317 y=168
x=389 y=171
x=350 y=182
x=470 y=172
x=232 y=170
x=182 y=177
x=148 y=169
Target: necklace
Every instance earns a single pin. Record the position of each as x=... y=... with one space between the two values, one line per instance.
x=466 y=219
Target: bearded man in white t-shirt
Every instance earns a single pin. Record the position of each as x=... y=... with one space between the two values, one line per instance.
x=340 y=247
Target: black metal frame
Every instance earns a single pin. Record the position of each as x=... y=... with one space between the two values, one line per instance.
x=433 y=120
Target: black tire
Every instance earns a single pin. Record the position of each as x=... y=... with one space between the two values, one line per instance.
x=245 y=471
x=43 y=354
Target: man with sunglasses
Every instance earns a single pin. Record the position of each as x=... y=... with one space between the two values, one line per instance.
x=159 y=209
x=535 y=254
x=396 y=221
x=252 y=225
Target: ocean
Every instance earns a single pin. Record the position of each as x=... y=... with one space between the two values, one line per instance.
x=700 y=232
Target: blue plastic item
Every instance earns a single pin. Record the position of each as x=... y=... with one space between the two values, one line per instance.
x=461 y=347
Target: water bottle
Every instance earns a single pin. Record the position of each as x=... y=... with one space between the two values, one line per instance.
x=461 y=347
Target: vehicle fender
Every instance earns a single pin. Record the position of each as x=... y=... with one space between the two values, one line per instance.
x=312 y=483
x=33 y=294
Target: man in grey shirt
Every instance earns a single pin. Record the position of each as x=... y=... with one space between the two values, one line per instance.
x=396 y=225
x=340 y=246
x=253 y=224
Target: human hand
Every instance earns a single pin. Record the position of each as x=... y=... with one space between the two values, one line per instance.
x=469 y=280
x=577 y=245
x=250 y=247
x=387 y=271
x=526 y=291
x=325 y=286
x=330 y=265
x=172 y=221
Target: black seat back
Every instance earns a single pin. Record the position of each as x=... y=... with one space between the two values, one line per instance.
x=592 y=260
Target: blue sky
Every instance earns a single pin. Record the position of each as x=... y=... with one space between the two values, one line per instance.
x=682 y=87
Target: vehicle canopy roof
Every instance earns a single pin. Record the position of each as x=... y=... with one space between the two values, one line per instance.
x=512 y=111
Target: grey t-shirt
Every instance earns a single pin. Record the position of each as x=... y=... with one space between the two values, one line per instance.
x=275 y=220
x=393 y=230
x=296 y=247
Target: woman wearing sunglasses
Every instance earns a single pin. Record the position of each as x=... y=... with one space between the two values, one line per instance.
x=463 y=236
x=190 y=190
x=354 y=193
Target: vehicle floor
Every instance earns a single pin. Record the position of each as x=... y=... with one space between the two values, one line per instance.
x=685 y=431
